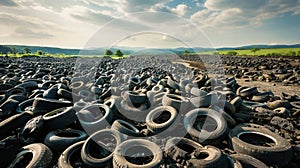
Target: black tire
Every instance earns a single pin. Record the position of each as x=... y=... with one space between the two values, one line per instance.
x=8 y=108
x=94 y=144
x=208 y=157
x=134 y=97
x=296 y=104
x=59 y=140
x=204 y=100
x=135 y=146
x=12 y=123
x=248 y=161
x=94 y=117
x=71 y=156
x=176 y=101
x=33 y=131
x=41 y=105
x=247 y=91
x=233 y=163
x=25 y=106
x=59 y=118
x=237 y=102
x=160 y=118
x=9 y=148
x=279 y=153
x=279 y=103
x=135 y=114
x=63 y=93
x=39 y=155
x=125 y=128
x=177 y=148
x=215 y=133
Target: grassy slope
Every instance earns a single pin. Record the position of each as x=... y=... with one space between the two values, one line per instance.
x=276 y=51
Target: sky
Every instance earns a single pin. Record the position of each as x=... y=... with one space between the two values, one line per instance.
x=149 y=23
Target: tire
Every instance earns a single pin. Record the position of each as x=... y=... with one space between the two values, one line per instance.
x=125 y=128
x=156 y=114
x=63 y=93
x=173 y=84
x=237 y=102
x=176 y=101
x=135 y=97
x=39 y=154
x=204 y=100
x=296 y=104
x=9 y=148
x=233 y=163
x=137 y=146
x=280 y=153
x=59 y=118
x=208 y=157
x=212 y=136
x=41 y=105
x=94 y=117
x=247 y=91
x=71 y=156
x=8 y=108
x=94 y=142
x=59 y=140
x=25 y=106
x=248 y=161
x=279 y=103
x=177 y=148
x=32 y=131
x=135 y=114
x=12 y=123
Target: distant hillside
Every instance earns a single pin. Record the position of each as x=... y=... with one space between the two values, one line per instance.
x=126 y=50
x=260 y=46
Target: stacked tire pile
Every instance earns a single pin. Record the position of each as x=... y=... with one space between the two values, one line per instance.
x=139 y=112
x=281 y=69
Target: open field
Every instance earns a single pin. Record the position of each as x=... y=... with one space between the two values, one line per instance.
x=260 y=52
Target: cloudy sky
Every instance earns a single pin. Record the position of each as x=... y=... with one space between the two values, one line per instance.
x=149 y=23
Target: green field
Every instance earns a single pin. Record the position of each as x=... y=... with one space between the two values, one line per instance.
x=260 y=52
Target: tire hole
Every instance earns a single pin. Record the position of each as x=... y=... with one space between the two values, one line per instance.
x=138 y=155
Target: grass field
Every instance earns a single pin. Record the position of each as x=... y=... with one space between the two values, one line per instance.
x=60 y=55
x=263 y=52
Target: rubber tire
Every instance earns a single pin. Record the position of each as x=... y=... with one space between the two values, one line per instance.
x=279 y=155
x=41 y=158
x=33 y=131
x=87 y=118
x=158 y=127
x=99 y=162
x=41 y=105
x=120 y=161
x=72 y=152
x=177 y=154
x=59 y=118
x=213 y=137
x=57 y=142
x=176 y=101
x=129 y=129
x=215 y=158
x=13 y=122
x=248 y=161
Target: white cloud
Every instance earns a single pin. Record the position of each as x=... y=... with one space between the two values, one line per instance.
x=180 y=9
x=237 y=13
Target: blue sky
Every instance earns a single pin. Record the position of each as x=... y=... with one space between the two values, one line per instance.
x=99 y=23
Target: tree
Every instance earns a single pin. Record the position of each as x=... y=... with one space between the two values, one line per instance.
x=108 y=52
x=254 y=50
x=186 y=52
x=39 y=52
x=27 y=50
x=119 y=53
x=14 y=50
